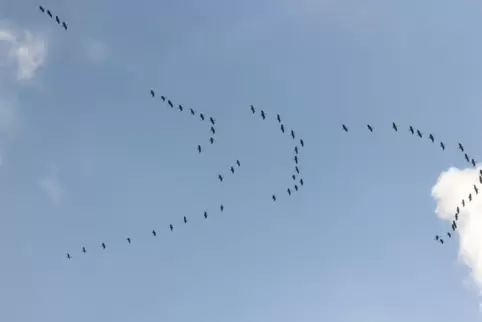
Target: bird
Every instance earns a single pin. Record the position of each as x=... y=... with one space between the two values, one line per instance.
x=441 y=241
x=199 y=148
x=431 y=138
x=470 y=197
x=301 y=181
x=419 y=133
x=456 y=216
x=49 y=13
x=274 y=197
x=163 y=98
x=458 y=209
x=442 y=145
x=211 y=139
x=480 y=179
x=296 y=187
x=68 y=255
x=473 y=162
x=296 y=159
x=394 y=126
x=279 y=118
x=411 y=129
x=461 y=147
x=302 y=143
x=293 y=134
x=212 y=120
x=153 y=93
x=41 y=8
x=289 y=191
x=57 y=19
x=205 y=215
x=263 y=115
x=128 y=240
x=296 y=149
x=221 y=207
x=297 y=170
x=213 y=130
x=454 y=224
x=232 y=169
x=192 y=111
x=154 y=233
x=220 y=177
x=170 y=103
x=171 y=227
x=180 y=107
x=463 y=203
x=282 y=127
x=369 y=127
x=476 y=189
x=345 y=128
x=437 y=237
x=238 y=163
x=201 y=115
x=294 y=177
x=252 y=109
x=103 y=245
x=467 y=157
x=453 y=227
x=64 y=25
x=84 y=250
x=449 y=234
x=185 y=220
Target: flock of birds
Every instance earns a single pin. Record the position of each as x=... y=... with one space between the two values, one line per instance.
x=469 y=160
x=232 y=168
x=296 y=174
x=50 y=14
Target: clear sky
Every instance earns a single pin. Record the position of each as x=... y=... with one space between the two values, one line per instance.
x=87 y=156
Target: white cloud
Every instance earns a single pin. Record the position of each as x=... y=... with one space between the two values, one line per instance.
x=96 y=51
x=452 y=186
x=52 y=187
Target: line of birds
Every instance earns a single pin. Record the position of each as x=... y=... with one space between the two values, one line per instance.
x=49 y=13
x=469 y=160
x=192 y=113
x=231 y=168
x=296 y=152
x=153 y=232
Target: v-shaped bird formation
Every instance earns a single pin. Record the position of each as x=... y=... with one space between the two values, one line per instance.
x=417 y=132
x=51 y=15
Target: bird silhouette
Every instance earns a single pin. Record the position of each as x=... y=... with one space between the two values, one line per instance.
x=263 y=115
x=293 y=134
x=461 y=147
x=473 y=162
x=278 y=117
x=419 y=133
x=128 y=240
x=64 y=25
x=296 y=187
x=282 y=127
x=163 y=98
x=274 y=197
x=41 y=8
x=68 y=256
x=301 y=181
x=296 y=149
x=213 y=130
x=467 y=157
x=221 y=207
x=170 y=103
x=171 y=227
x=212 y=120
x=192 y=111
x=431 y=138
x=345 y=128
x=153 y=93
x=154 y=233
x=252 y=109
x=297 y=170
x=201 y=115
x=232 y=169
x=103 y=245
x=84 y=250
x=180 y=107
x=211 y=139
x=199 y=148
x=394 y=126
x=302 y=143
x=49 y=13
x=442 y=145
x=369 y=127
x=185 y=220
x=205 y=215
x=289 y=191
x=411 y=129
x=238 y=163
x=220 y=177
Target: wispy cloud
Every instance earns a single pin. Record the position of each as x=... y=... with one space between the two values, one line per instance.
x=452 y=186
x=52 y=187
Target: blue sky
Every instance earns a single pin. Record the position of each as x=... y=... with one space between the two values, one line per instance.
x=89 y=157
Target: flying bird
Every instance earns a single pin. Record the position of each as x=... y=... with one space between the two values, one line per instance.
x=211 y=140
x=470 y=197
x=294 y=177
x=411 y=129
x=205 y=215
x=431 y=138
x=296 y=159
x=461 y=147
x=232 y=169
x=289 y=191
x=458 y=209
x=171 y=227
x=437 y=237
x=84 y=250
x=185 y=220
x=442 y=145
x=282 y=128
x=302 y=143
x=64 y=25
x=154 y=233
x=456 y=216
x=454 y=224
x=274 y=197
x=296 y=187
x=369 y=127
x=153 y=93
x=220 y=177
x=296 y=149
x=292 y=134
x=263 y=115
x=238 y=163
x=467 y=157
x=128 y=240
x=103 y=245
x=441 y=241
x=213 y=130
x=480 y=179
x=476 y=189
x=49 y=13
x=68 y=255
x=301 y=181
x=473 y=162
x=449 y=234
x=419 y=133
x=297 y=170
x=201 y=115
x=279 y=118
x=252 y=109
x=180 y=107
x=57 y=19
x=163 y=98
x=394 y=126
x=463 y=203
x=41 y=8
x=345 y=128
x=199 y=148
x=192 y=111
x=212 y=120
x=221 y=207
x=170 y=103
